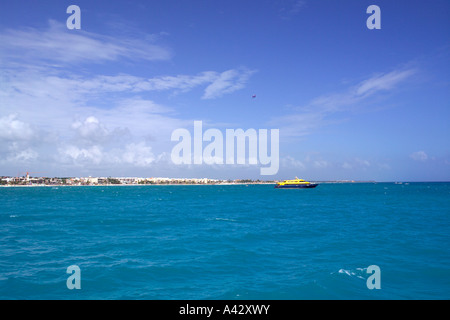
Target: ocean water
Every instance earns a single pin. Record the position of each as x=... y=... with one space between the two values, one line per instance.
x=226 y=242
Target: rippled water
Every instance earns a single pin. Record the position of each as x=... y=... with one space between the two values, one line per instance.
x=226 y=242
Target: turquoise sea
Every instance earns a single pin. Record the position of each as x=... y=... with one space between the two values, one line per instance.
x=226 y=242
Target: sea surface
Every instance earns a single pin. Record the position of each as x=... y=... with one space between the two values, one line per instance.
x=226 y=242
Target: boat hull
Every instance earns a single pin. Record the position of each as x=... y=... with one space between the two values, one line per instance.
x=297 y=186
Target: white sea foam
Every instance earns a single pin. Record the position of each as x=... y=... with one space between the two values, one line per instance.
x=358 y=272
x=224 y=219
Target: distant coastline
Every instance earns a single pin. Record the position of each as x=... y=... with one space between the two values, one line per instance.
x=28 y=181
x=133 y=184
x=211 y=184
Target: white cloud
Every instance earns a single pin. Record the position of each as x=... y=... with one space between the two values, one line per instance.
x=139 y=105
x=320 y=164
x=75 y=118
x=18 y=154
x=227 y=82
x=12 y=129
x=93 y=144
x=81 y=46
x=90 y=129
x=138 y=154
x=78 y=90
x=54 y=100
x=17 y=141
x=80 y=156
x=319 y=111
x=132 y=154
x=91 y=132
x=297 y=6
x=419 y=156
x=182 y=83
x=382 y=82
x=292 y=8
x=290 y=162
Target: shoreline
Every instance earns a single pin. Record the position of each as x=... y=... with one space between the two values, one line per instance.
x=211 y=184
x=240 y=183
x=137 y=185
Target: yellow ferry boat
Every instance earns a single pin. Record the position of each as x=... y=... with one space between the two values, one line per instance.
x=296 y=183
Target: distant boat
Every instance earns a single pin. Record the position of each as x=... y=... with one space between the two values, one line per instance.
x=295 y=184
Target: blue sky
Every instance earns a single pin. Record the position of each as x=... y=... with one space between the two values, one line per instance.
x=350 y=103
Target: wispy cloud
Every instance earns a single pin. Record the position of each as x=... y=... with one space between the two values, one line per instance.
x=74 y=88
x=419 y=156
x=319 y=111
x=291 y=8
x=27 y=47
x=58 y=44
x=297 y=6
x=182 y=83
x=227 y=82
x=382 y=82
